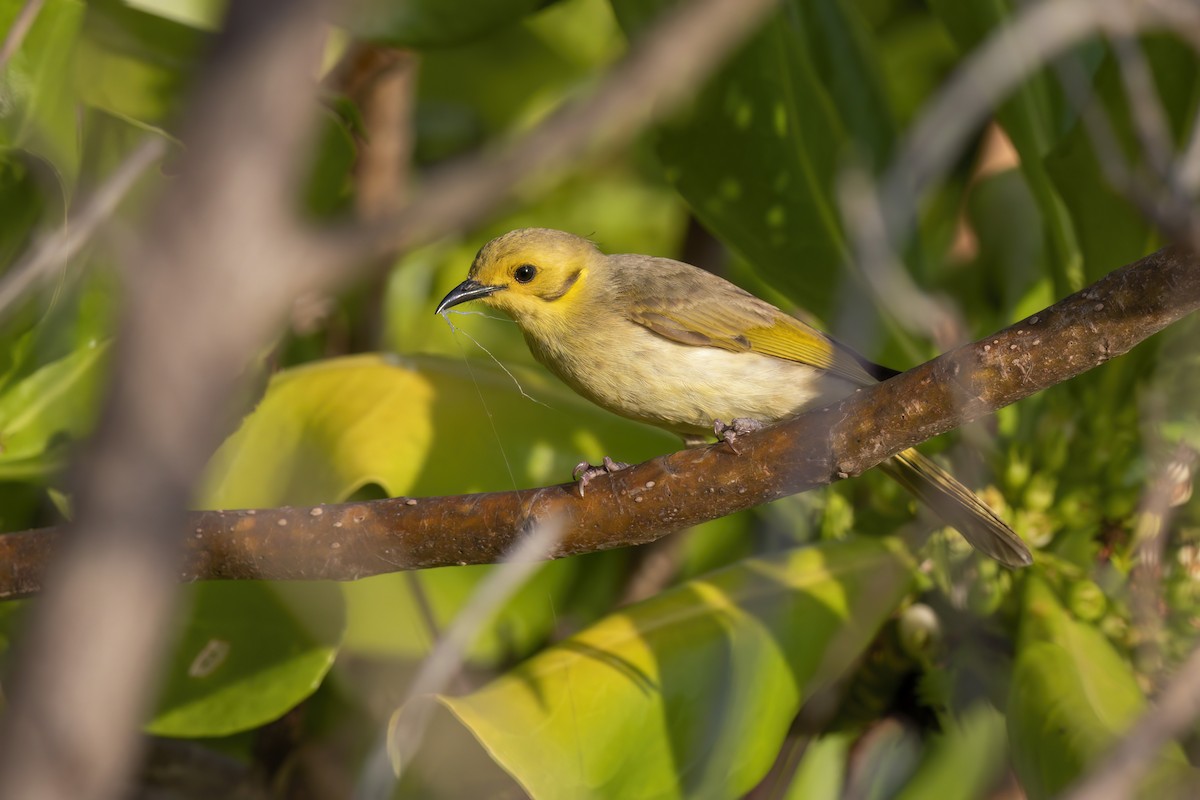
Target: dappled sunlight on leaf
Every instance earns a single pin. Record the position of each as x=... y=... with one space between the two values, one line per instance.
x=1072 y=697
x=658 y=700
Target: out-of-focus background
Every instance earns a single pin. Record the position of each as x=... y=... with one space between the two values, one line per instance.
x=786 y=651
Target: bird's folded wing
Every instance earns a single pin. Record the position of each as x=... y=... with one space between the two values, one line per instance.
x=718 y=314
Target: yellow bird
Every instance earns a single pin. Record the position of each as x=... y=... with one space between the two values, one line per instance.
x=666 y=343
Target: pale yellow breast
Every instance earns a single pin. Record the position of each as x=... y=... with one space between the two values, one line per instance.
x=638 y=374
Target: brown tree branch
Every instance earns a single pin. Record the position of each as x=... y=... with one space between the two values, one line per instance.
x=647 y=501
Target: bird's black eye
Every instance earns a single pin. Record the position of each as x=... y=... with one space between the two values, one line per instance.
x=525 y=273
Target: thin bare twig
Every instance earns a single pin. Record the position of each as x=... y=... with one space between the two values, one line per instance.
x=20 y=27
x=1169 y=486
x=383 y=83
x=56 y=249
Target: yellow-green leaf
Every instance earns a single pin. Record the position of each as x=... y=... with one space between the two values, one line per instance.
x=56 y=402
x=250 y=651
x=420 y=425
x=690 y=693
x=1071 y=699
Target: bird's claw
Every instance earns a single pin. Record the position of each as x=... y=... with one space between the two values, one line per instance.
x=728 y=433
x=584 y=472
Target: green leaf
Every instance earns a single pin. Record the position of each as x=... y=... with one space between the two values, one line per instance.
x=845 y=50
x=23 y=201
x=1033 y=118
x=249 y=652
x=691 y=692
x=822 y=770
x=770 y=194
x=464 y=98
x=136 y=65
x=426 y=23
x=421 y=426
x=58 y=401
x=1072 y=697
x=203 y=14
x=37 y=106
x=717 y=543
x=963 y=762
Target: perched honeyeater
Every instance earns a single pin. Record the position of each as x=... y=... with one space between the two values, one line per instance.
x=667 y=343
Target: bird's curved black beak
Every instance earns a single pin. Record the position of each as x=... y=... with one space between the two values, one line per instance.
x=470 y=289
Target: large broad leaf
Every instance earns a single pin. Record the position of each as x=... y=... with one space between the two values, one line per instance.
x=23 y=200
x=770 y=115
x=325 y=431
x=135 y=64
x=690 y=693
x=846 y=54
x=42 y=413
x=822 y=769
x=420 y=425
x=1071 y=699
x=249 y=652
x=37 y=110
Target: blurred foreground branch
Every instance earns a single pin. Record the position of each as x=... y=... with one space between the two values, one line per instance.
x=206 y=286
x=218 y=265
x=663 y=67
x=650 y=500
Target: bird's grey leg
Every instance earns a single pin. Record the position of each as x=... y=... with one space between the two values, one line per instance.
x=728 y=433
x=584 y=472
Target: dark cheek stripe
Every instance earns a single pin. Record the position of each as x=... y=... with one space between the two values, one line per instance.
x=566 y=287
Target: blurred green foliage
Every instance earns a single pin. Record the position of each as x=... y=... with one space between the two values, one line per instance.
x=979 y=677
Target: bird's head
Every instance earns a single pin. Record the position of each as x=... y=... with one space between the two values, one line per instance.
x=536 y=275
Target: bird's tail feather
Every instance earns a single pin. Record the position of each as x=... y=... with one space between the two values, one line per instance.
x=958 y=506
